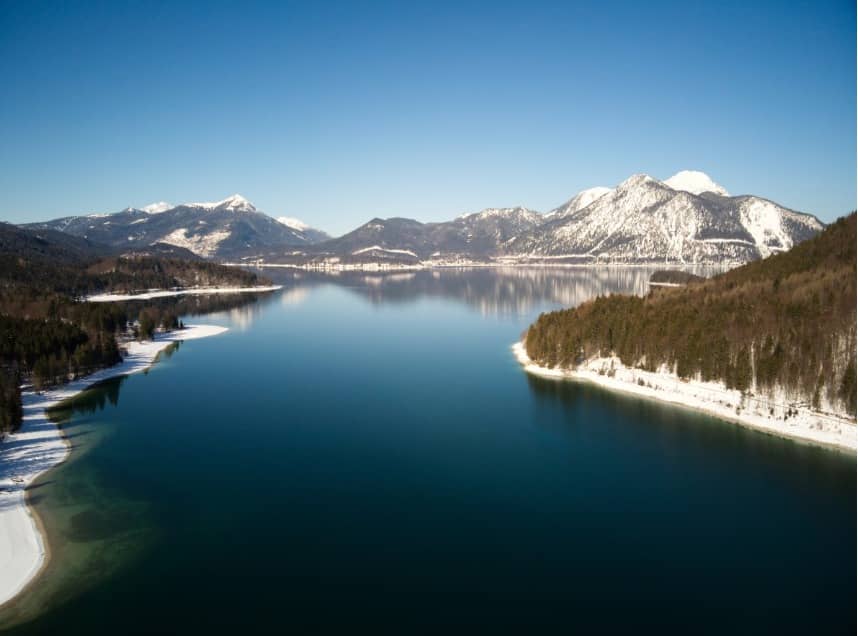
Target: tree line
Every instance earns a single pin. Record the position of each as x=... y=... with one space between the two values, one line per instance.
x=48 y=335
x=787 y=321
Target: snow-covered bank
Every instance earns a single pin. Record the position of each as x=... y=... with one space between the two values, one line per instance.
x=39 y=445
x=711 y=397
x=188 y=291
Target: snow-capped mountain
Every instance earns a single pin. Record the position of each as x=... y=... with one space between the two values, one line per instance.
x=688 y=218
x=695 y=182
x=645 y=220
x=223 y=229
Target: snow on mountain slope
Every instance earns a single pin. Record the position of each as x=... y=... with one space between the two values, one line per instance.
x=157 y=208
x=578 y=202
x=222 y=229
x=645 y=220
x=313 y=235
x=478 y=234
x=519 y=213
x=292 y=222
x=775 y=229
x=236 y=203
x=491 y=227
x=200 y=244
x=695 y=182
x=687 y=219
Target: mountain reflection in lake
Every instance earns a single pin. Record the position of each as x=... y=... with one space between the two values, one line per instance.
x=490 y=290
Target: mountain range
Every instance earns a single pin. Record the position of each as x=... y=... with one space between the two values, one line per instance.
x=221 y=230
x=687 y=218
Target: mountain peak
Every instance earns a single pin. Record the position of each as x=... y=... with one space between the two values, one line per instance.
x=695 y=182
x=235 y=203
x=636 y=180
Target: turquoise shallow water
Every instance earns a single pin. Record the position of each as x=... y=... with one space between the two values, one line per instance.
x=364 y=453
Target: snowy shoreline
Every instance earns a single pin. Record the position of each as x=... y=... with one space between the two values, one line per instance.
x=712 y=398
x=39 y=445
x=185 y=291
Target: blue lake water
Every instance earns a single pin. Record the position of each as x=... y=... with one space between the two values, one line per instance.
x=362 y=453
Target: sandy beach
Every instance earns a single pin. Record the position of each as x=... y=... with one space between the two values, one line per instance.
x=760 y=413
x=39 y=445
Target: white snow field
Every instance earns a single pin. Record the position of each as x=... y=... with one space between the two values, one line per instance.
x=189 y=291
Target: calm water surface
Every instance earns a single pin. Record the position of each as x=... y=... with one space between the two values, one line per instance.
x=363 y=453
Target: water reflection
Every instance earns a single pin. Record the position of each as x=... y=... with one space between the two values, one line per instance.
x=98 y=396
x=666 y=431
x=94 y=399
x=494 y=290
x=242 y=308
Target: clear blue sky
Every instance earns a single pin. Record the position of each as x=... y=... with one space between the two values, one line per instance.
x=339 y=113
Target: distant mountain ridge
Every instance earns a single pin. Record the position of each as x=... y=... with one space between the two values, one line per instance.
x=221 y=230
x=687 y=218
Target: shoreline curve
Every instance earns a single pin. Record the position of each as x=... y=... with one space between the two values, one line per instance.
x=828 y=431
x=40 y=445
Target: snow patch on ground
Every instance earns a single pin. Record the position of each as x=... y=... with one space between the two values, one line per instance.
x=383 y=249
x=191 y=291
x=755 y=412
x=39 y=446
x=200 y=244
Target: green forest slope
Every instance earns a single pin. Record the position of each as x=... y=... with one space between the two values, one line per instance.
x=786 y=322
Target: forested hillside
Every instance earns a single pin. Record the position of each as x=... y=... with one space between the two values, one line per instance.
x=48 y=335
x=786 y=323
x=144 y=272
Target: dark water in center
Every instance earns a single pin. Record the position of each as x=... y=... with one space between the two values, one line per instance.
x=363 y=454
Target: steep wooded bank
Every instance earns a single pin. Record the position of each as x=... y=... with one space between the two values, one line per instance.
x=780 y=326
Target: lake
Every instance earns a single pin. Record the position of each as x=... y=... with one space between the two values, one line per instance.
x=362 y=453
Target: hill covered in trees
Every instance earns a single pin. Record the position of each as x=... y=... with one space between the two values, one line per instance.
x=48 y=335
x=784 y=324
x=673 y=277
